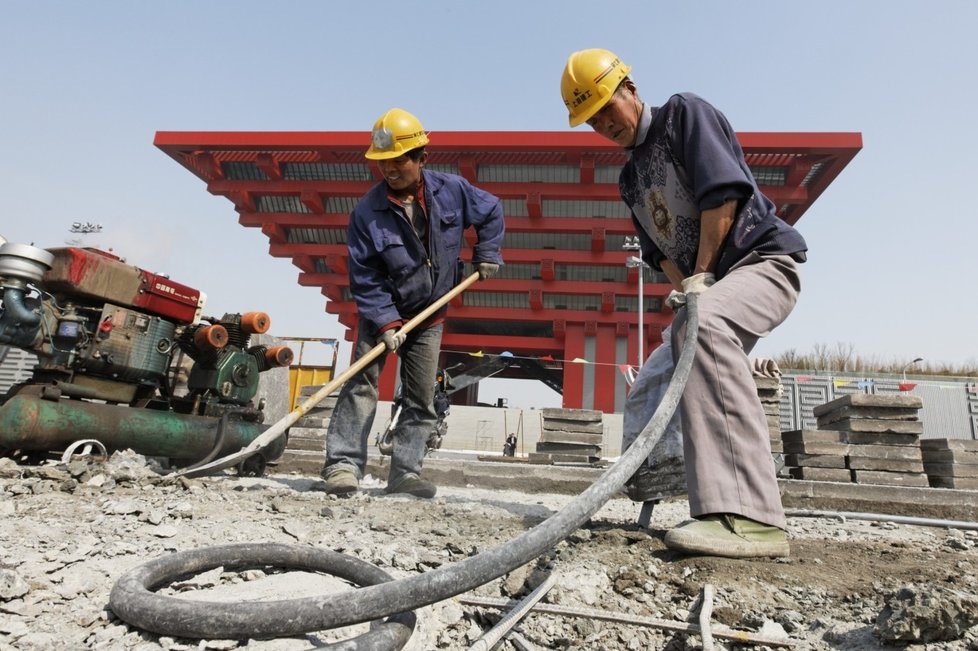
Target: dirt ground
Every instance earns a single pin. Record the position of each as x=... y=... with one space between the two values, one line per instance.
x=69 y=532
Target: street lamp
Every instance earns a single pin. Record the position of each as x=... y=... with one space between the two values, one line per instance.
x=908 y=365
x=631 y=244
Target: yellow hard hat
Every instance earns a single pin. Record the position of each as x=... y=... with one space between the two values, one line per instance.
x=590 y=79
x=396 y=132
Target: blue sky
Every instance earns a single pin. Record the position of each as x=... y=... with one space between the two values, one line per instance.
x=85 y=86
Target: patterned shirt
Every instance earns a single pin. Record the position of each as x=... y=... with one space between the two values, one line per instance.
x=687 y=160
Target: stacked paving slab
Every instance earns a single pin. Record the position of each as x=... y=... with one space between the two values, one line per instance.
x=569 y=436
x=308 y=434
x=861 y=438
x=769 y=391
x=951 y=463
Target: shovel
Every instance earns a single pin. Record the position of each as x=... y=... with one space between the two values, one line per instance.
x=276 y=430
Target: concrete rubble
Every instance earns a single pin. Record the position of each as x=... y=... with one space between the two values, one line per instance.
x=69 y=531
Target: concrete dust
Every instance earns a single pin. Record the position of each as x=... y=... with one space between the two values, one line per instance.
x=69 y=532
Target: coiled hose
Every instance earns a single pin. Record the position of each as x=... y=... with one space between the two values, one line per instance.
x=133 y=600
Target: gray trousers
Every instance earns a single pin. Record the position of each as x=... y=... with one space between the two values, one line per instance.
x=726 y=442
x=356 y=406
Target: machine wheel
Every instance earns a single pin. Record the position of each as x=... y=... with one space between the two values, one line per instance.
x=253 y=466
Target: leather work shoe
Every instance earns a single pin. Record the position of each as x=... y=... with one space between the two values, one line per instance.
x=342 y=482
x=411 y=484
x=732 y=536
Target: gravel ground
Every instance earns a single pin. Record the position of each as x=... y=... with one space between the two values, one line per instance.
x=70 y=531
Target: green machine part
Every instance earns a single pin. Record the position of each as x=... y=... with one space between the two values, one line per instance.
x=32 y=423
x=233 y=377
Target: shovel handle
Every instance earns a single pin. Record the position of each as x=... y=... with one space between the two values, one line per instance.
x=289 y=419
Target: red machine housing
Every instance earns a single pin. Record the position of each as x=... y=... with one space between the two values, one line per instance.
x=101 y=276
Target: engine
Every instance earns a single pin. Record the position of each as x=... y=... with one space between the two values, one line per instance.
x=108 y=334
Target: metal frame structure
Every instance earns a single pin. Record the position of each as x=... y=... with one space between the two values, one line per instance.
x=564 y=306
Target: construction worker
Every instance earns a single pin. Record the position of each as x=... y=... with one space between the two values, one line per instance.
x=404 y=237
x=701 y=219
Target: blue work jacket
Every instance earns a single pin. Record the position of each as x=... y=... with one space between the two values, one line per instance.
x=392 y=275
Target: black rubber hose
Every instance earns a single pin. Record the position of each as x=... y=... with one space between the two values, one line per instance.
x=222 y=425
x=133 y=601
x=266 y=619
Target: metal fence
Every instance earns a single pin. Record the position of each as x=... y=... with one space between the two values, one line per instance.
x=950 y=405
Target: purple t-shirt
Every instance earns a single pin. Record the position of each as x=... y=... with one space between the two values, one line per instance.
x=688 y=160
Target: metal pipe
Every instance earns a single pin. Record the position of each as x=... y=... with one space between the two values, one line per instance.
x=19 y=313
x=510 y=619
x=637 y=620
x=882 y=517
x=31 y=423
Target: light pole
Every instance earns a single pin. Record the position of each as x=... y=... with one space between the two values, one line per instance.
x=908 y=365
x=631 y=244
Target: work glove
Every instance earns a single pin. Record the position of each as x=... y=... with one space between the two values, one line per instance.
x=487 y=270
x=676 y=300
x=698 y=283
x=392 y=339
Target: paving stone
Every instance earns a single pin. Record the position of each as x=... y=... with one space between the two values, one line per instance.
x=963 y=483
x=815 y=460
x=901 y=452
x=585 y=415
x=815 y=447
x=548 y=458
x=884 y=413
x=569 y=448
x=949 y=456
x=881 y=438
x=950 y=444
x=563 y=436
x=951 y=469
x=554 y=424
x=312 y=422
x=820 y=474
x=876 y=425
x=890 y=465
x=889 y=478
x=799 y=435
x=869 y=400
x=305 y=444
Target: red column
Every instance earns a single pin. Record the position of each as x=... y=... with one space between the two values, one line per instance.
x=605 y=369
x=573 y=373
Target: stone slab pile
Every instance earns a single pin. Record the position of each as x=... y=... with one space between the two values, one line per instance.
x=308 y=434
x=861 y=438
x=769 y=391
x=951 y=463
x=569 y=436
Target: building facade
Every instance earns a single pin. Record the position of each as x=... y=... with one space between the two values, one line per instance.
x=566 y=309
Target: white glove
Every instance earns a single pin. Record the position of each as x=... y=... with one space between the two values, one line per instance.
x=698 y=283
x=487 y=270
x=392 y=339
x=676 y=300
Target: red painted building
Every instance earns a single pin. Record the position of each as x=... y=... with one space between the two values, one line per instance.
x=564 y=308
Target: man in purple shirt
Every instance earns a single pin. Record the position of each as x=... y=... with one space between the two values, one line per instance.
x=701 y=220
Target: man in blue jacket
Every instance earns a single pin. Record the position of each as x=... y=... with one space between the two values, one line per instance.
x=404 y=239
x=701 y=219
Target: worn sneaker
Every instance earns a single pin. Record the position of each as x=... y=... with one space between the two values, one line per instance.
x=341 y=482
x=732 y=536
x=411 y=484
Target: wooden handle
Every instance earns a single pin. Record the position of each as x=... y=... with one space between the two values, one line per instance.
x=286 y=421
